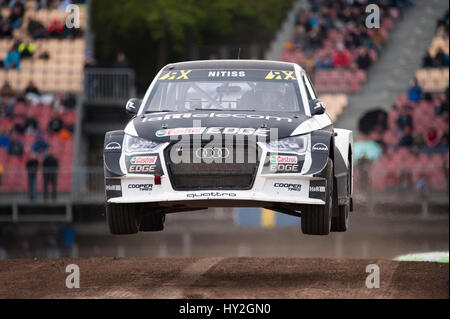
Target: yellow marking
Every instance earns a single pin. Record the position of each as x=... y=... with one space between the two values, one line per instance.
x=184 y=74
x=267 y=218
x=289 y=75
x=276 y=75
x=176 y=75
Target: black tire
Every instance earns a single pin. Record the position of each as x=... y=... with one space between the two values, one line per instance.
x=152 y=222
x=340 y=223
x=316 y=219
x=122 y=219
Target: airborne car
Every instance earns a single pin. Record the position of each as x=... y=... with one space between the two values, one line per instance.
x=228 y=133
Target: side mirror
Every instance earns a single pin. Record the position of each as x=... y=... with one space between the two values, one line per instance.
x=317 y=106
x=133 y=105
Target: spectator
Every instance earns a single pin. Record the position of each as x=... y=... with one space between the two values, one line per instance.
x=341 y=58
x=12 y=60
x=16 y=15
x=404 y=119
x=31 y=88
x=36 y=29
x=1 y=173
x=40 y=145
x=7 y=90
x=26 y=49
x=405 y=182
x=30 y=124
x=324 y=61
x=15 y=146
x=428 y=61
x=50 y=166
x=6 y=107
x=432 y=136
x=407 y=140
x=441 y=59
x=5 y=140
x=69 y=101
x=422 y=186
x=32 y=166
x=415 y=91
x=391 y=183
x=56 y=124
x=121 y=62
x=55 y=29
x=363 y=61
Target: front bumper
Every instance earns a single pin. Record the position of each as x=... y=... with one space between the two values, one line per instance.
x=292 y=189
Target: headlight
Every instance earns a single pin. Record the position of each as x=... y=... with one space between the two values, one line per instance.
x=134 y=144
x=296 y=144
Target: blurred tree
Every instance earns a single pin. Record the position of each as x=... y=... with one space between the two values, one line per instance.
x=155 y=32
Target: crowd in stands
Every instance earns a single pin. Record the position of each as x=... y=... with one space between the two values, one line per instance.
x=332 y=36
x=414 y=138
x=24 y=47
x=36 y=135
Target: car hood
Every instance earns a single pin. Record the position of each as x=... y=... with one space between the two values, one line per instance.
x=164 y=126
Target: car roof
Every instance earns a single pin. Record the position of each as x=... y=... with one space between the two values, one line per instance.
x=231 y=64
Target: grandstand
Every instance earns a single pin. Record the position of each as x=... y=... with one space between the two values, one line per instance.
x=414 y=139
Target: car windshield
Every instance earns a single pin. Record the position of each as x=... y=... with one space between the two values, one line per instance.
x=252 y=91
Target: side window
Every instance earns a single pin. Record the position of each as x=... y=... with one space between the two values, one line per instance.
x=309 y=88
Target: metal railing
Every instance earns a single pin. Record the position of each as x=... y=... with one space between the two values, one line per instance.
x=108 y=85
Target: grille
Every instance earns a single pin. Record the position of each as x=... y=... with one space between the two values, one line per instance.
x=236 y=171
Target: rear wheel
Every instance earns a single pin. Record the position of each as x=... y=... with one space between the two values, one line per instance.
x=122 y=219
x=152 y=222
x=316 y=219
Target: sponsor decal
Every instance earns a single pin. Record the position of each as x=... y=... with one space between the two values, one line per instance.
x=280 y=75
x=289 y=186
x=317 y=189
x=141 y=168
x=141 y=187
x=227 y=74
x=176 y=75
x=283 y=159
x=143 y=160
x=113 y=187
x=286 y=168
x=211 y=194
x=215 y=115
x=113 y=146
x=180 y=131
x=320 y=147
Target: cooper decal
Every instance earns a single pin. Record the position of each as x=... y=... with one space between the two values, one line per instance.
x=141 y=187
x=289 y=186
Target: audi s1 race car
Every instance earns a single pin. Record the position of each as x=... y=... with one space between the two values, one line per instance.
x=228 y=133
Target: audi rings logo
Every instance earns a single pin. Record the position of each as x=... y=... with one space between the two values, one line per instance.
x=212 y=152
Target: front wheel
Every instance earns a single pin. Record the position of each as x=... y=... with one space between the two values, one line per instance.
x=316 y=219
x=122 y=219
